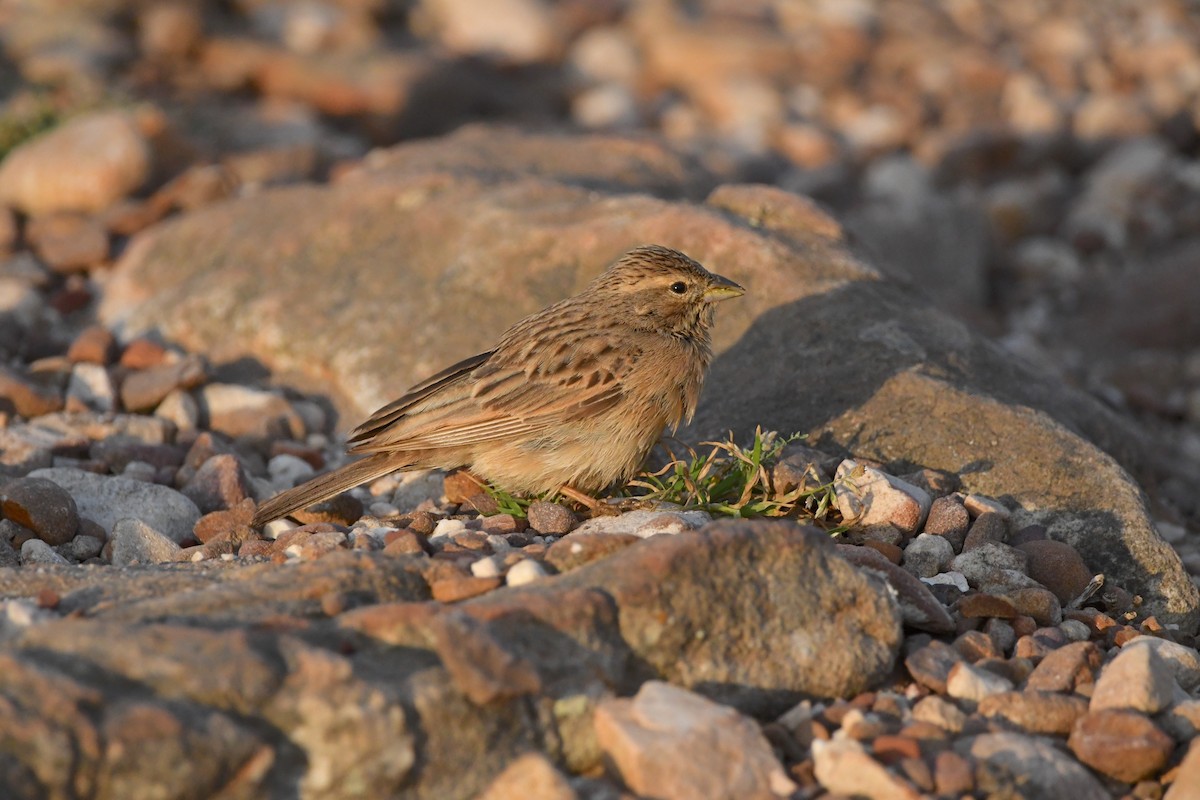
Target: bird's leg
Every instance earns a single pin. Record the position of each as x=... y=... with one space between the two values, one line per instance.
x=598 y=507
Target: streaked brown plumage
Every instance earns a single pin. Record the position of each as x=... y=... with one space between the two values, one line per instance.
x=575 y=395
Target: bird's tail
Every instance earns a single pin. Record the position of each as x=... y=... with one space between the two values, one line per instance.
x=326 y=486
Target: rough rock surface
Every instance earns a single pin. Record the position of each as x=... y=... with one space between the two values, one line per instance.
x=483 y=682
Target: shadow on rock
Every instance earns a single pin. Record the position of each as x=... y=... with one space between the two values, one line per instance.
x=868 y=369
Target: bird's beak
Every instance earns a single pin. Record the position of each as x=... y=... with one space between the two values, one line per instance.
x=723 y=289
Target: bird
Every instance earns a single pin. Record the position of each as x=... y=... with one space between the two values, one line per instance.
x=571 y=400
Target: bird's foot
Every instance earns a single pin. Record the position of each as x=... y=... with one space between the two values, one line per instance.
x=597 y=507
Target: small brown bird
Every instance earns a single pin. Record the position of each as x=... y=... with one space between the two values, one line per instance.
x=571 y=399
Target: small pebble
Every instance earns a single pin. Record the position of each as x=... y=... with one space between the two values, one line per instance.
x=498 y=543
x=42 y=506
x=486 y=567
x=526 y=571
x=379 y=509
x=547 y=517
x=448 y=528
x=287 y=470
x=977 y=505
x=35 y=551
x=955 y=579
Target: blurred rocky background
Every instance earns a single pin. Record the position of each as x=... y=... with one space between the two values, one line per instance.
x=205 y=206
x=1032 y=167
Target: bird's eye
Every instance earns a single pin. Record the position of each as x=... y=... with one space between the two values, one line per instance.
x=678 y=287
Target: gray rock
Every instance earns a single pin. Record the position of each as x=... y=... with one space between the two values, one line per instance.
x=730 y=564
x=135 y=542
x=140 y=471
x=919 y=608
x=928 y=555
x=1030 y=767
x=8 y=556
x=81 y=548
x=955 y=579
x=106 y=499
x=24 y=448
x=287 y=470
x=35 y=551
x=415 y=488
x=937 y=239
x=94 y=426
x=985 y=565
x=1005 y=581
x=1114 y=189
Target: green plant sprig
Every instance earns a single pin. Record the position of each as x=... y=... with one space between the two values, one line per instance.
x=736 y=481
x=726 y=480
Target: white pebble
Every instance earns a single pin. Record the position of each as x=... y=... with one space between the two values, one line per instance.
x=274 y=528
x=955 y=579
x=22 y=613
x=524 y=572
x=485 y=567
x=448 y=527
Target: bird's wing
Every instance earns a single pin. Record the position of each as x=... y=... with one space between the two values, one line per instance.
x=502 y=398
x=415 y=399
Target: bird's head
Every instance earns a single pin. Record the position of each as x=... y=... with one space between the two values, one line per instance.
x=662 y=289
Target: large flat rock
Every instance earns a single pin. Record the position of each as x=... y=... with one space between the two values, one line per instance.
x=241 y=682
